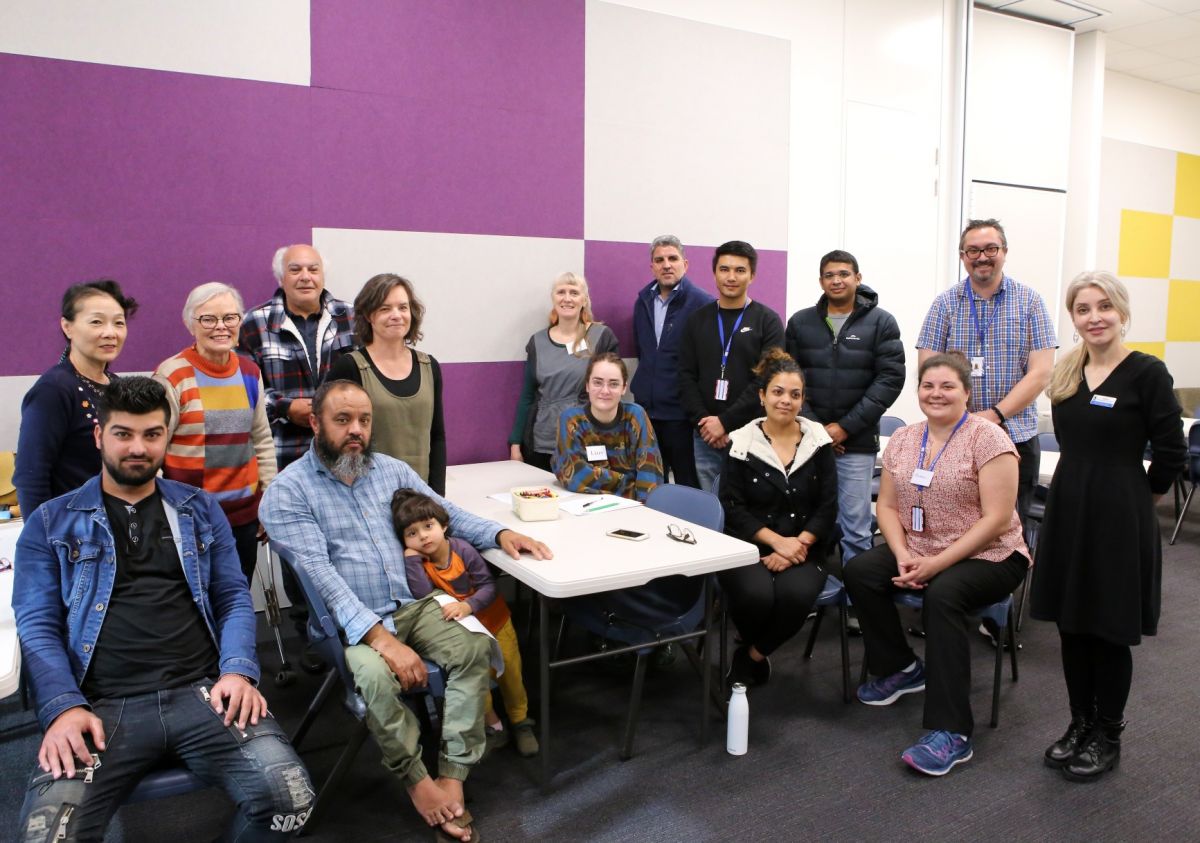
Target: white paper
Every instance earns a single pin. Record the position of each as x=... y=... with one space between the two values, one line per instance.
x=473 y=624
x=588 y=504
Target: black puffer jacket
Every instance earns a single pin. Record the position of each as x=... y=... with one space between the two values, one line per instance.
x=854 y=377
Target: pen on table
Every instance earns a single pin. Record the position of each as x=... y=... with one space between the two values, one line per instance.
x=592 y=503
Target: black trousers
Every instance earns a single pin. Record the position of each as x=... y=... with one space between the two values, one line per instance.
x=769 y=608
x=245 y=539
x=949 y=599
x=675 y=445
x=1030 y=454
x=1098 y=675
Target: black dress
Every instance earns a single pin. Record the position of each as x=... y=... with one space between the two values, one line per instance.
x=1099 y=554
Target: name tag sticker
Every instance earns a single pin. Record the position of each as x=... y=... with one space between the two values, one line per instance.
x=596 y=453
x=977 y=367
x=1103 y=401
x=722 y=390
x=921 y=477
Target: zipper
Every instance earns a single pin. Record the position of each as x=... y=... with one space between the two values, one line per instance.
x=63 y=821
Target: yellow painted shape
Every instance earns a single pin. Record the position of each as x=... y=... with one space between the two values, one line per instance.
x=1145 y=250
x=1158 y=349
x=1187 y=185
x=1183 y=311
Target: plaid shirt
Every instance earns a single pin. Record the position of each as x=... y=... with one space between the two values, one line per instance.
x=343 y=538
x=273 y=341
x=1021 y=326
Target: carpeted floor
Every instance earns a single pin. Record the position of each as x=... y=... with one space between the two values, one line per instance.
x=816 y=767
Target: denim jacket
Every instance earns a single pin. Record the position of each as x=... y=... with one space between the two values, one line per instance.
x=65 y=567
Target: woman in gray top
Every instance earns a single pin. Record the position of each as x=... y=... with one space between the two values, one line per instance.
x=555 y=363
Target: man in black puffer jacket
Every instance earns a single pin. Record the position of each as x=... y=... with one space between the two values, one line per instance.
x=853 y=364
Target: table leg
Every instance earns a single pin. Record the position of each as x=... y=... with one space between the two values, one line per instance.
x=544 y=684
x=706 y=661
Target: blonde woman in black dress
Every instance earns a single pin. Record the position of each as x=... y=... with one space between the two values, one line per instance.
x=1099 y=555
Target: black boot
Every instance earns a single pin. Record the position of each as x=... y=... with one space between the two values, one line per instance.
x=1064 y=749
x=1100 y=753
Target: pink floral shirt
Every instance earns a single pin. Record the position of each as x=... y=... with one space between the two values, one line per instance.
x=951 y=501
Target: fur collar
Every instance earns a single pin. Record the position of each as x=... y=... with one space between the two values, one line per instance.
x=749 y=441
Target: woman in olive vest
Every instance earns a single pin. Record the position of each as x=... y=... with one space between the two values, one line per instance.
x=405 y=385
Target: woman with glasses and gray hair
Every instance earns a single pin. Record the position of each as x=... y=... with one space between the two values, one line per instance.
x=220 y=437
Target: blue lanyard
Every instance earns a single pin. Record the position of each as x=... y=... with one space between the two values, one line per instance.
x=925 y=442
x=721 y=333
x=981 y=331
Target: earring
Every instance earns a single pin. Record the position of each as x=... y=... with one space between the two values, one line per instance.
x=1075 y=337
x=1124 y=328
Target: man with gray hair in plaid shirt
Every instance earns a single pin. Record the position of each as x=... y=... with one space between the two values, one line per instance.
x=1005 y=331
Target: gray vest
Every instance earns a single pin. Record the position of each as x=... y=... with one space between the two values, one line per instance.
x=559 y=379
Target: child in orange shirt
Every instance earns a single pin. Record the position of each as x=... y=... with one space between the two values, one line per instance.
x=435 y=562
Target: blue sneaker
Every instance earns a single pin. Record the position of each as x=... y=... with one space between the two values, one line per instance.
x=887 y=690
x=937 y=752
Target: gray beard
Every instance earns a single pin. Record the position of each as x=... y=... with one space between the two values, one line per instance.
x=346 y=467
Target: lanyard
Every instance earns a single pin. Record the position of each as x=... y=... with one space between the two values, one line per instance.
x=725 y=346
x=925 y=443
x=981 y=331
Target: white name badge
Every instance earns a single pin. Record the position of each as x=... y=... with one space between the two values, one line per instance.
x=722 y=391
x=921 y=477
x=1103 y=401
x=596 y=453
x=977 y=367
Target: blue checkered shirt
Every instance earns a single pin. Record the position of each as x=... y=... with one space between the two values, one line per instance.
x=342 y=536
x=1022 y=325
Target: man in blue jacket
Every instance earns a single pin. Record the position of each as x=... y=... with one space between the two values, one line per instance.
x=138 y=635
x=853 y=364
x=659 y=314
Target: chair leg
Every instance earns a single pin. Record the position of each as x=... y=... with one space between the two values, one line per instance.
x=843 y=618
x=1183 y=513
x=1012 y=643
x=812 y=633
x=996 y=678
x=635 y=703
x=314 y=707
x=336 y=775
x=1024 y=595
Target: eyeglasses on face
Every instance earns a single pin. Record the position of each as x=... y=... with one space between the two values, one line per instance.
x=229 y=320
x=973 y=252
x=674 y=531
x=843 y=274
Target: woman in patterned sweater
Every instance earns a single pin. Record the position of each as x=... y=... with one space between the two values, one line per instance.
x=220 y=437
x=607 y=446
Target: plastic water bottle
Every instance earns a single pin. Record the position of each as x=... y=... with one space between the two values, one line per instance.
x=737 y=730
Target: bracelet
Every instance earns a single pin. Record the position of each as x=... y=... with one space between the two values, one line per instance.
x=1000 y=415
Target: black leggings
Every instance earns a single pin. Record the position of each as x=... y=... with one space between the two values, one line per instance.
x=245 y=537
x=769 y=608
x=1098 y=674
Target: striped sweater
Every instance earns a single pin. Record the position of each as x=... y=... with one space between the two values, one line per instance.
x=220 y=438
x=630 y=466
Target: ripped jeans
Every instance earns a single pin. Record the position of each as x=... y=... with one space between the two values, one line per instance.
x=257 y=768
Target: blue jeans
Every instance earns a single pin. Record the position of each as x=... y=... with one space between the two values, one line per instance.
x=709 y=462
x=854 y=473
x=257 y=768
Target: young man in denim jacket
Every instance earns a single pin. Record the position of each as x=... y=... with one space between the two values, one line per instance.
x=138 y=635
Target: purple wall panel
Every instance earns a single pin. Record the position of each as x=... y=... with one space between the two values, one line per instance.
x=402 y=164
x=156 y=261
x=516 y=55
x=480 y=400
x=616 y=271
x=90 y=141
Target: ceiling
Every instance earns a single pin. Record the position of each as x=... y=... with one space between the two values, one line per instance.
x=1158 y=40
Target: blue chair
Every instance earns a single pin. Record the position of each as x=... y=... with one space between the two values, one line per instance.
x=890 y=424
x=163 y=783
x=324 y=636
x=1193 y=475
x=1001 y=614
x=668 y=610
x=833 y=594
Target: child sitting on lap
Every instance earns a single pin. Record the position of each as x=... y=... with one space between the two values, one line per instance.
x=437 y=563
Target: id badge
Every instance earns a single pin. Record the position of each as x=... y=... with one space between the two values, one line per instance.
x=722 y=391
x=977 y=367
x=1106 y=401
x=921 y=477
x=596 y=453
x=918 y=519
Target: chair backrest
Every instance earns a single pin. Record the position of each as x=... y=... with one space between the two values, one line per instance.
x=1193 y=467
x=889 y=425
x=1048 y=441
x=694 y=505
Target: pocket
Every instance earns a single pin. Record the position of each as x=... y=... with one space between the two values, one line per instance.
x=265 y=727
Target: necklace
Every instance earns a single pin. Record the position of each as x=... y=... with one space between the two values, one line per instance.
x=93 y=393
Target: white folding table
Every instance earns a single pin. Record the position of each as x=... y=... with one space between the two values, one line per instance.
x=10 y=646
x=586 y=560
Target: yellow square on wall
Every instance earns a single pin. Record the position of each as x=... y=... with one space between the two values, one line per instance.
x=1187 y=185
x=1145 y=249
x=1158 y=349
x=1183 y=311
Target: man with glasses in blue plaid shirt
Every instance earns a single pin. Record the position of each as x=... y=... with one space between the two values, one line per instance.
x=1004 y=329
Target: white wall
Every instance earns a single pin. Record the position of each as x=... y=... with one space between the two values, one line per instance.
x=1151 y=114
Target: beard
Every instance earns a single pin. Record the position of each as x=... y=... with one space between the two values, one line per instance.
x=349 y=466
x=129 y=476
